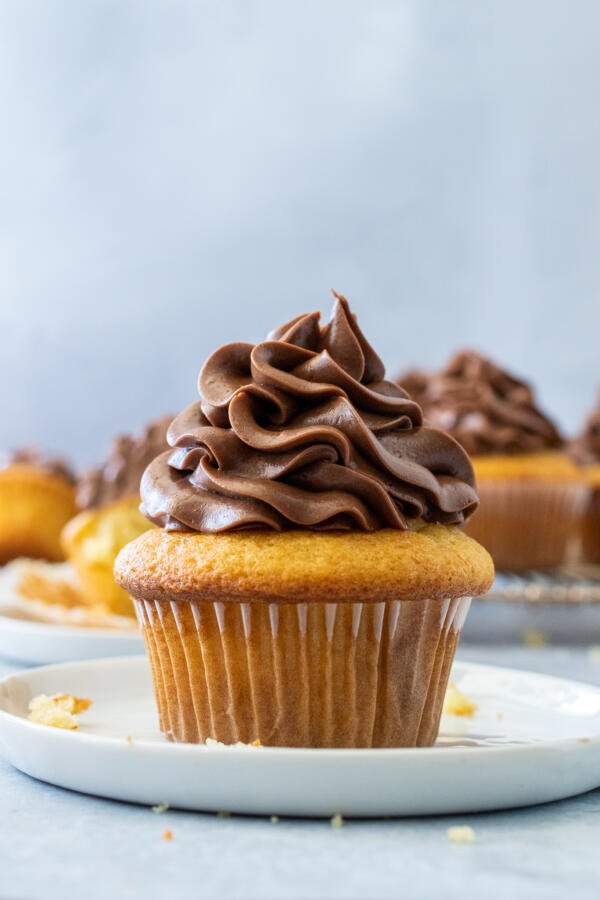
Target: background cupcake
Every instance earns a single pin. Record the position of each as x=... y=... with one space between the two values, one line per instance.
x=585 y=450
x=37 y=497
x=309 y=583
x=532 y=495
x=109 y=497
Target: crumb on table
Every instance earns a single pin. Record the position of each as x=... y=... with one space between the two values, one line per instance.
x=534 y=638
x=461 y=834
x=458 y=704
x=594 y=653
x=58 y=710
x=337 y=821
x=160 y=808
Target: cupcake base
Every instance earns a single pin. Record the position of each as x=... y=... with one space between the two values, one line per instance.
x=529 y=524
x=302 y=674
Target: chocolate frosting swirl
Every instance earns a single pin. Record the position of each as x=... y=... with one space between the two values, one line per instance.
x=487 y=410
x=121 y=473
x=585 y=449
x=32 y=456
x=303 y=431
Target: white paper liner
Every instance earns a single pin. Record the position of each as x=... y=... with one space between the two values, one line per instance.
x=304 y=675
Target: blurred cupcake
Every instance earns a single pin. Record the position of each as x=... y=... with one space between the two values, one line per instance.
x=309 y=583
x=109 y=497
x=585 y=450
x=37 y=497
x=414 y=382
x=532 y=495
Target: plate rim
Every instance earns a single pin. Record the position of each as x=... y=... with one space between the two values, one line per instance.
x=169 y=747
x=27 y=625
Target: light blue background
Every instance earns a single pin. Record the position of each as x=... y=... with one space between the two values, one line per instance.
x=175 y=175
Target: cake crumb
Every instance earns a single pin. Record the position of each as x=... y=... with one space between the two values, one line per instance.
x=129 y=739
x=534 y=638
x=274 y=819
x=160 y=808
x=223 y=814
x=167 y=834
x=594 y=654
x=583 y=740
x=337 y=821
x=499 y=716
x=57 y=710
x=461 y=834
x=239 y=745
x=458 y=704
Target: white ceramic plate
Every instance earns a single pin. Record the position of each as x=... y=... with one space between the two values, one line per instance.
x=37 y=643
x=533 y=739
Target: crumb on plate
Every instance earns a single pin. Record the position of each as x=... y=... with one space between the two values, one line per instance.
x=223 y=814
x=461 y=834
x=337 y=821
x=583 y=740
x=274 y=819
x=238 y=745
x=167 y=834
x=458 y=704
x=58 y=710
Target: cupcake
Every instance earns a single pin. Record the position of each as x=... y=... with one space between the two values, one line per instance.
x=37 y=497
x=109 y=497
x=309 y=582
x=585 y=451
x=532 y=495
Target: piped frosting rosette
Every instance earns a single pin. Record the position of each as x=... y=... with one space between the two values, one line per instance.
x=304 y=431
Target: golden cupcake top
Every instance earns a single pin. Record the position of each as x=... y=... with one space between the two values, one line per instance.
x=487 y=410
x=33 y=458
x=304 y=431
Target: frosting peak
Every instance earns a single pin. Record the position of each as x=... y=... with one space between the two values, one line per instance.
x=127 y=458
x=486 y=409
x=303 y=431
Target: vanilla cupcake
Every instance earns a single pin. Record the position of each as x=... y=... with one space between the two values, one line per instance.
x=110 y=497
x=310 y=581
x=585 y=451
x=37 y=497
x=532 y=495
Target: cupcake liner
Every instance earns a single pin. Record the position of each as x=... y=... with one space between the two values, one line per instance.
x=529 y=524
x=589 y=550
x=302 y=675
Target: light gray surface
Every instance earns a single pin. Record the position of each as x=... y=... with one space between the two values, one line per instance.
x=55 y=844
x=174 y=175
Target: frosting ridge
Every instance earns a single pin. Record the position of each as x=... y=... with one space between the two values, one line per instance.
x=487 y=410
x=127 y=458
x=303 y=431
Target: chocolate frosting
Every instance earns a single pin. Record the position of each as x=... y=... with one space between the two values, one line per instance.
x=127 y=458
x=303 y=431
x=585 y=449
x=487 y=410
x=31 y=456
x=414 y=382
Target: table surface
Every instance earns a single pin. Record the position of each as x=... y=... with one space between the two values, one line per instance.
x=55 y=843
